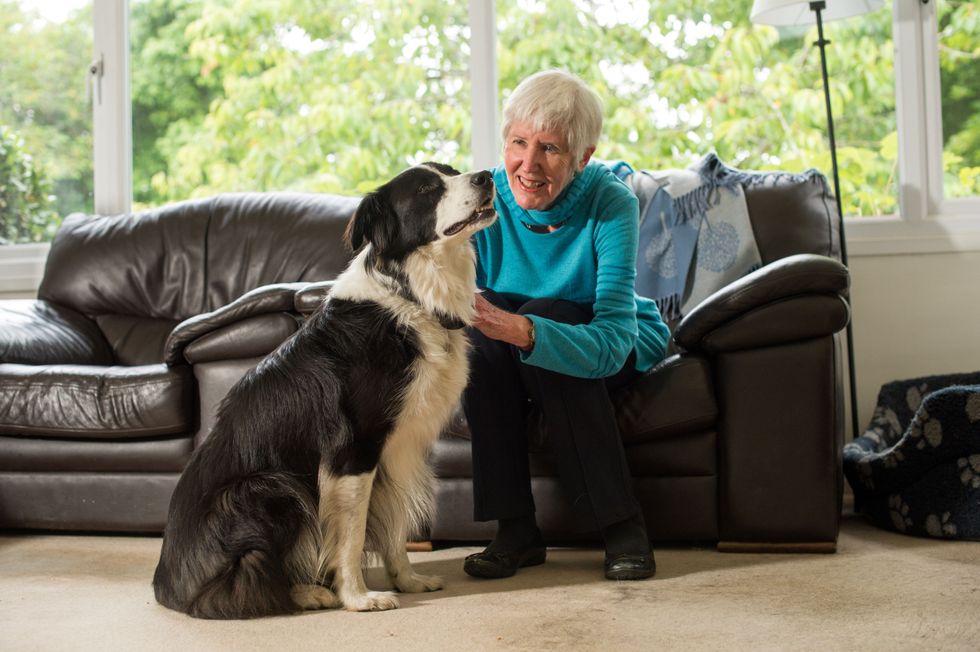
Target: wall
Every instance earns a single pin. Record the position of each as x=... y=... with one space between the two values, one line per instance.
x=913 y=315
x=27 y=295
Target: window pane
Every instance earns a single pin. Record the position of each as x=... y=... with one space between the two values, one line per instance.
x=679 y=79
x=45 y=118
x=959 y=61
x=251 y=95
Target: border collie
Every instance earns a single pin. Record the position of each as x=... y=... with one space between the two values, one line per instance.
x=320 y=452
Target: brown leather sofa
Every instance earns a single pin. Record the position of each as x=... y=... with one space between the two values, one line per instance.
x=143 y=322
x=110 y=378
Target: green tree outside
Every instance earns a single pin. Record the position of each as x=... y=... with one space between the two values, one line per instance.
x=26 y=213
x=43 y=104
x=236 y=95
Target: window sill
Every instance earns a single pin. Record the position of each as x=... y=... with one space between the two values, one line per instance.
x=21 y=267
x=888 y=236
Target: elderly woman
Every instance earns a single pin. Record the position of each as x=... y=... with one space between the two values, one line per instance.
x=558 y=323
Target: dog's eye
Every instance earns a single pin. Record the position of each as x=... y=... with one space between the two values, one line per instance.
x=429 y=187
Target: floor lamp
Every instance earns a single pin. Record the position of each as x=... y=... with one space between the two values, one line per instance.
x=807 y=12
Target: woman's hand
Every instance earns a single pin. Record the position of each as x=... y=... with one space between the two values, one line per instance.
x=501 y=325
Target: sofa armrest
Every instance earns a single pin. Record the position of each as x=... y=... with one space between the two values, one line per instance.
x=791 y=299
x=252 y=337
x=312 y=296
x=233 y=320
x=42 y=332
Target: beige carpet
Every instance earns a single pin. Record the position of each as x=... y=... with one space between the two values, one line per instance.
x=881 y=591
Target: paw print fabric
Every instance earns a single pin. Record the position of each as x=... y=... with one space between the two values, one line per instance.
x=916 y=469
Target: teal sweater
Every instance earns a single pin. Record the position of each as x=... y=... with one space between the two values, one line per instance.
x=591 y=259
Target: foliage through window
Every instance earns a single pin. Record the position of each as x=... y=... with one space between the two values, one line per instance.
x=257 y=95
x=45 y=118
x=252 y=95
x=959 y=67
x=679 y=79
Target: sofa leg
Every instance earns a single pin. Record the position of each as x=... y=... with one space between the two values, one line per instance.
x=816 y=547
x=418 y=546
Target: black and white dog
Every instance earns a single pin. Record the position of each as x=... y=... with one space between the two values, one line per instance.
x=320 y=452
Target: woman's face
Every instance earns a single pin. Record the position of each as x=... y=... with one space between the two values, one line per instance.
x=539 y=165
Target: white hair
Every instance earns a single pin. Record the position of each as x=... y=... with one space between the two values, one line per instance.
x=554 y=100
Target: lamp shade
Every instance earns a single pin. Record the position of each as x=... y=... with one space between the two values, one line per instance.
x=798 y=12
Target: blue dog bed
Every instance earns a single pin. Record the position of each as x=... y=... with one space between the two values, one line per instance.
x=916 y=470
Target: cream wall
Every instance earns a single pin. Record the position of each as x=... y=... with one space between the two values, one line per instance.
x=24 y=295
x=913 y=315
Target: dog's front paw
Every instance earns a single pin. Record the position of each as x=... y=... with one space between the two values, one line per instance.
x=311 y=596
x=372 y=601
x=416 y=583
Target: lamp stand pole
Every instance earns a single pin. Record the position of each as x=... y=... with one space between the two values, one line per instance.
x=817 y=7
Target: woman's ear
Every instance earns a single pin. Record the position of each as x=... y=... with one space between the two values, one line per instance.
x=589 y=151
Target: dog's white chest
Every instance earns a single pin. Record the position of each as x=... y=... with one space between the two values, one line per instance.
x=440 y=375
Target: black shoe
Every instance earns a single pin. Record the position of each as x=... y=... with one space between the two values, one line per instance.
x=495 y=565
x=630 y=567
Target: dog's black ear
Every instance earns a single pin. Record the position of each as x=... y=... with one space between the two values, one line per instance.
x=354 y=234
x=374 y=221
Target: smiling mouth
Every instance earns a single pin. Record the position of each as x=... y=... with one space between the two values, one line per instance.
x=484 y=213
x=528 y=184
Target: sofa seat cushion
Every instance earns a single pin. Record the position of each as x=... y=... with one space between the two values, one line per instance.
x=675 y=397
x=92 y=402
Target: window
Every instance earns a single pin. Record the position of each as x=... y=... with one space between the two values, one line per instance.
x=254 y=95
x=959 y=74
x=336 y=96
x=931 y=217
x=680 y=78
x=45 y=123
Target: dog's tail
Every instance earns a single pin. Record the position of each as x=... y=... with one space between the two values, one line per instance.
x=249 y=540
x=250 y=587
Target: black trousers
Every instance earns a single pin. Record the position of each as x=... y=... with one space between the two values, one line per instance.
x=579 y=421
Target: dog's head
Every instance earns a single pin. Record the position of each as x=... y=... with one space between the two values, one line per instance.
x=424 y=204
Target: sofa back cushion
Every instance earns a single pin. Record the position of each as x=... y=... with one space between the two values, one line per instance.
x=138 y=275
x=795 y=215
x=145 y=264
x=255 y=239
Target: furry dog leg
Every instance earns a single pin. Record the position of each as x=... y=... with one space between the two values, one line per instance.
x=389 y=514
x=400 y=570
x=343 y=512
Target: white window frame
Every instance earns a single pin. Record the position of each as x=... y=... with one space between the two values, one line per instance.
x=483 y=83
x=22 y=266
x=112 y=122
x=937 y=204
x=927 y=223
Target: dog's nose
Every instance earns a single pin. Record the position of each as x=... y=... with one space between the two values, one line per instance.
x=482 y=179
